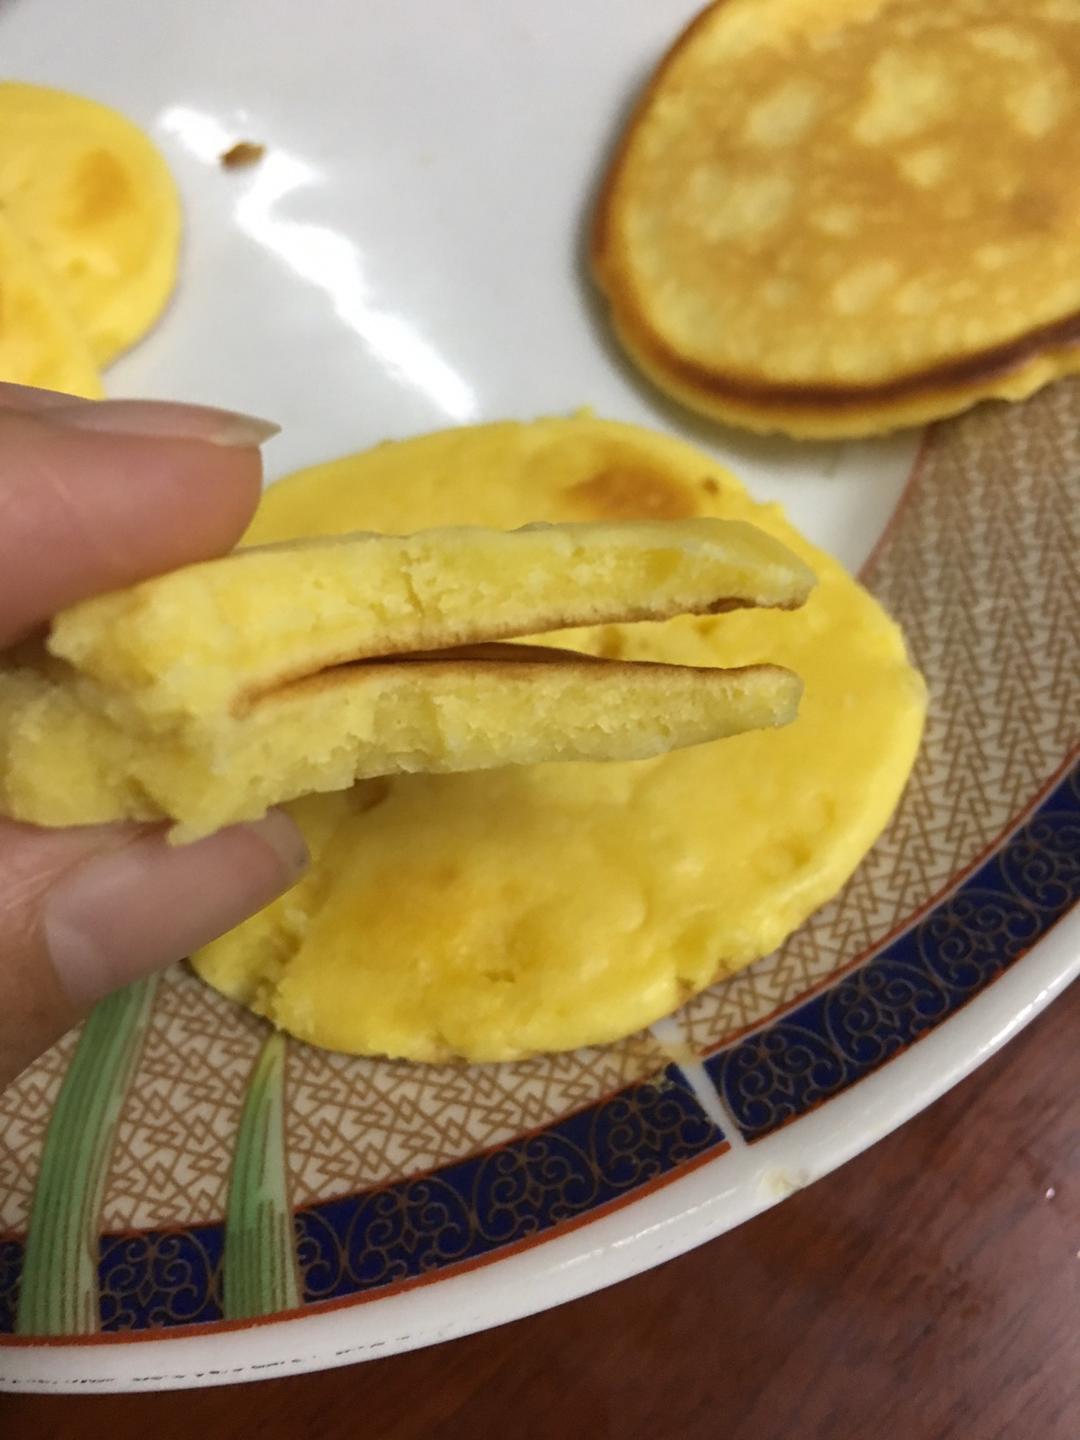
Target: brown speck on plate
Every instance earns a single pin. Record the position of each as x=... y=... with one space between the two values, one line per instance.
x=243 y=153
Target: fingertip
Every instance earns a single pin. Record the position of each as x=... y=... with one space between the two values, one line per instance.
x=280 y=832
x=166 y=420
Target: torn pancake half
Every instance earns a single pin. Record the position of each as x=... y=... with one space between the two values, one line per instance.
x=161 y=703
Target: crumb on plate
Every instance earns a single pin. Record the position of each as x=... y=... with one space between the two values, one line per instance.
x=243 y=153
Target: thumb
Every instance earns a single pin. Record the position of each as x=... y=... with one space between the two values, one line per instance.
x=85 y=911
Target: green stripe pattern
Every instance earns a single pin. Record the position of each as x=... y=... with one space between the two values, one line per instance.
x=59 y=1290
x=260 y=1275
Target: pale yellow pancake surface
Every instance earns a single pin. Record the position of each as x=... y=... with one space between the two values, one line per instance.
x=94 y=198
x=545 y=907
x=40 y=343
x=842 y=216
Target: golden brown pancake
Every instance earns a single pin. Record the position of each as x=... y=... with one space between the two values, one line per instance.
x=843 y=217
x=63 y=762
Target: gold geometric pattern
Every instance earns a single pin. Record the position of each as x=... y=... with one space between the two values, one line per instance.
x=174 y=1141
x=25 y=1108
x=355 y=1123
x=980 y=568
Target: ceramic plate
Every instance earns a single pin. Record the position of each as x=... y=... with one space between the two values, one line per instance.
x=187 y=1199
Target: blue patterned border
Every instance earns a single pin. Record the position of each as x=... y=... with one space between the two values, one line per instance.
x=11 y=1258
x=481 y=1205
x=649 y=1132
x=160 y=1277
x=918 y=980
x=415 y=1227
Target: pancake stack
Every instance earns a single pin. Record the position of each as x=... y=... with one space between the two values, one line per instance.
x=541 y=907
x=207 y=695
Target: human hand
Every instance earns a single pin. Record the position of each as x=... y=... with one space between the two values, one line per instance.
x=95 y=496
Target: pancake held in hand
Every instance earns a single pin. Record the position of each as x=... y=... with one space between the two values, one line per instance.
x=40 y=344
x=64 y=763
x=211 y=638
x=840 y=218
x=209 y=694
x=545 y=907
x=94 y=198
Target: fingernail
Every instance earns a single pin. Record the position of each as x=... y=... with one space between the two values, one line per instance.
x=164 y=420
x=285 y=839
x=129 y=911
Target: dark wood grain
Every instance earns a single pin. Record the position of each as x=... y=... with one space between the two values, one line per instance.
x=930 y=1290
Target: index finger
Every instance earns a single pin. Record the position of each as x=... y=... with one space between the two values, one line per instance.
x=85 y=510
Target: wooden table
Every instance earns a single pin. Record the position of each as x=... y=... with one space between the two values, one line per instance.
x=929 y=1290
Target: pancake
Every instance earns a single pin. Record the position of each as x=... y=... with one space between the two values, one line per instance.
x=62 y=762
x=40 y=344
x=540 y=908
x=841 y=218
x=204 y=641
x=94 y=198
x=207 y=695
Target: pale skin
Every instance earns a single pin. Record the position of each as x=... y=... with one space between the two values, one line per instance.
x=95 y=496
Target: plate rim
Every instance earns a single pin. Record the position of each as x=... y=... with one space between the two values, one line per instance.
x=719 y=1193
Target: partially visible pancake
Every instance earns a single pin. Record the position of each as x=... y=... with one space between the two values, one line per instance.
x=94 y=198
x=843 y=217
x=543 y=907
x=40 y=344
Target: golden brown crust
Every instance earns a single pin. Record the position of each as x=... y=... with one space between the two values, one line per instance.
x=961 y=373
x=951 y=385
x=532 y=661
x=488 y=636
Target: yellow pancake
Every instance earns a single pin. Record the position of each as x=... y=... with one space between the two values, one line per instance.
x=40 y=344
x=64 y=762
x=841 y=217
x=545 y=907
x=204 y=642
x=94 y=197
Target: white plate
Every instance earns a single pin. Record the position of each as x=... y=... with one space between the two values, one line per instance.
x=406 y=256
